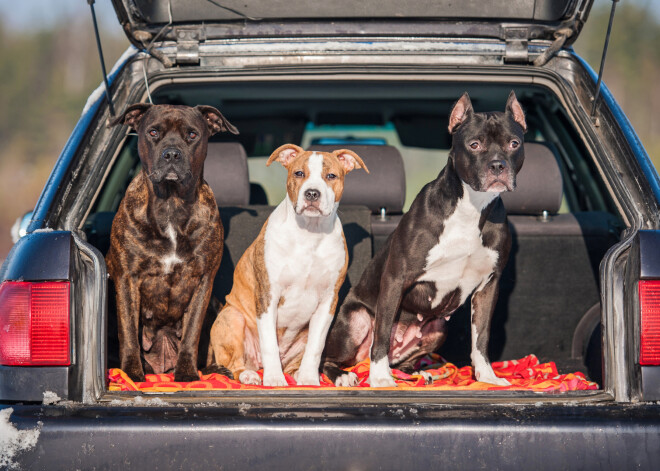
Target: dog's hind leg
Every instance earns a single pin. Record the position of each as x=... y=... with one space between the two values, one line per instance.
x=212 y=367
x=349 y=342
x=228 y=342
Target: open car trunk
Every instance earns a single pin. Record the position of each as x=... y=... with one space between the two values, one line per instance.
x=549 y=294
x=502 y=19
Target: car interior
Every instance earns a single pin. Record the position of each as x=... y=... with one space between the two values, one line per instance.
x=561 y=216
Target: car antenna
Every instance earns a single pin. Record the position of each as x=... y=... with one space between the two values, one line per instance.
x=98 y=45
x=602 y=61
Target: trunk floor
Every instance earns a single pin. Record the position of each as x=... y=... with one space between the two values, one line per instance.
x=524 y=374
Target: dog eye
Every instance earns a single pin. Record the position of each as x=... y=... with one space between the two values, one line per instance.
x=331 y=176
x=474 y=145
x=514 y=144
x=299 y=174
x=153 y=133
x=192 y=135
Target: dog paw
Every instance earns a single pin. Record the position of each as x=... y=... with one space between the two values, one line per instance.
x=249 y=377
x=428 y=377
x=380 y=374
x=185 y=376
x=137 y=377
x=307 y=378
x=275 y=379
x=385 y=382
x=347 y=380
x=492 y=380
x=134 y=370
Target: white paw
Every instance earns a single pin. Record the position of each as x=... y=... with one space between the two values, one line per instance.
x=492 y=379
x=346 y=380
x=274 y=379
x=428 y=377
x=380 y=374
x=384 y=382
x=307 y=378
x=249 y=377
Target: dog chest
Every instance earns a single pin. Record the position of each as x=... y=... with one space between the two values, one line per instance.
x=304 y=283
x=171 y=258
x=459 y=259
x=303 y=268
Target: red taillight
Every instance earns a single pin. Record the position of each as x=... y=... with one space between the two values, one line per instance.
x=34 y=323
x=649 y=310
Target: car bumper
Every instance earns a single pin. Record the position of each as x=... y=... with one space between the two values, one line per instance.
x=379 y=437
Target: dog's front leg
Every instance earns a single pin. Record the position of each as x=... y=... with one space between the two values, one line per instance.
x=193 y=319
x=319 y=324
x=389 y=298
x=128 y=318
x=270 y=350
x=483 y=305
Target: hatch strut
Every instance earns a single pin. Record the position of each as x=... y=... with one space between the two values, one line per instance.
x=98 y=45
x=602 y=59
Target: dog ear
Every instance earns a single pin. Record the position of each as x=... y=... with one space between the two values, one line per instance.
x=215 y=121
x=132 y=115
x=284 y=154
x=350 y=160
x=514 y=110
x=459 y=113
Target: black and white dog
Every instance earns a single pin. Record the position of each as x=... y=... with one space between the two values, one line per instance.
x=453 y=242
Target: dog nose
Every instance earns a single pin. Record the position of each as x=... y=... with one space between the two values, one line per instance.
x=497 y=166
x=171 y=154
x=312 y=195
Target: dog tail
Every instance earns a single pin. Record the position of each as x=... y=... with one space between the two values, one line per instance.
x=218 y=369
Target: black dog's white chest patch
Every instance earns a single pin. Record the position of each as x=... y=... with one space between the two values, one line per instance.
x=460 y=259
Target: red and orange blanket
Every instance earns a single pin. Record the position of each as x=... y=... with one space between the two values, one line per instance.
x=524 y=374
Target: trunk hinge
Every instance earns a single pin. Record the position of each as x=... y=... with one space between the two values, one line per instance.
x=187 y=45
x=516 y=46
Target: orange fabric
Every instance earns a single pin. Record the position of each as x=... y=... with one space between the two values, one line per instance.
x=524 y=374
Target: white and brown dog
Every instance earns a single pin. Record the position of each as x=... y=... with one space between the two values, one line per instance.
x=284 y=296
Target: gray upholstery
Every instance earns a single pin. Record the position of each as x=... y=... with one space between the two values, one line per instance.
x=538 y=185
x=226 y=172
x=383 y=187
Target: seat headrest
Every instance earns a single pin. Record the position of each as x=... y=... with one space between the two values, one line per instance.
x=226 y=172
x=383 y=187
x=539 y=185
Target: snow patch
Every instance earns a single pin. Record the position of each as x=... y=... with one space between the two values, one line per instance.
x=154 y=401
x=51 y=398
x=14 y=441
x=243 y=407
x=140 y=401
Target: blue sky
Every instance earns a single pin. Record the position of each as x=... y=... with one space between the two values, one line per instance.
x=22 y=14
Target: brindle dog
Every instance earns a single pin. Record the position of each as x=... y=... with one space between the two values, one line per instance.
x=166 y=241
